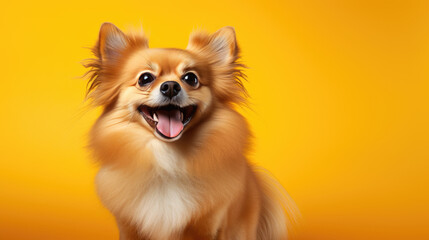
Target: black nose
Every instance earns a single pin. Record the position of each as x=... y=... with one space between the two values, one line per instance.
x=170 y=88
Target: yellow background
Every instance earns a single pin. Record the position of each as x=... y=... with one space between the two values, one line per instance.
x=339 y=109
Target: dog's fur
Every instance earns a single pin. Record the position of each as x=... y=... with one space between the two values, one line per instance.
x=199 y=184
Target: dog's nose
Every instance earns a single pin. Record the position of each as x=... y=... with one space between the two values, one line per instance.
x=170 y=88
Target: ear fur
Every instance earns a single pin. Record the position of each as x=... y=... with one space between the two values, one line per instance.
x=221 y=51
x=111 y=41
x=221 y=45
x=111 y=48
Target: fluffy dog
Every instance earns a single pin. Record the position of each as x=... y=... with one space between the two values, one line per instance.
x=171 y=146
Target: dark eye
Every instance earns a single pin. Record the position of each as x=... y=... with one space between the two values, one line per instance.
x=191 y=79
x=146 y=78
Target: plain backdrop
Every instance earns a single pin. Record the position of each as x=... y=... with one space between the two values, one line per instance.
x=339 y=109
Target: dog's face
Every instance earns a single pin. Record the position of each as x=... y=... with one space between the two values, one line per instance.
x=168 y=88
x=165 y=91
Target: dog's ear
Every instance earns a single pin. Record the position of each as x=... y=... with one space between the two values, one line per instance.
x=221 y=51
x=220 y=47
x=112 y=41
x=111 y=47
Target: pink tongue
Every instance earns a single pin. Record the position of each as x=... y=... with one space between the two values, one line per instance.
x=169 y=123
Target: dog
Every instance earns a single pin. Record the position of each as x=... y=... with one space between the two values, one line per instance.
x=171 y=145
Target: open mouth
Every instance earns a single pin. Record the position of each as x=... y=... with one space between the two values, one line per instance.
x=168 y=121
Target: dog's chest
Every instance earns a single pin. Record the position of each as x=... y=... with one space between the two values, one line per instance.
x=159 y=201
x=170 y=196
x=166 y=204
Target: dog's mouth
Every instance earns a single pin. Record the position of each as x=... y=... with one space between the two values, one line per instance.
x=168 y=121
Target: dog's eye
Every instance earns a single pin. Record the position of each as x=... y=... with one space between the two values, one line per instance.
x=191 y=79
x=146 y=78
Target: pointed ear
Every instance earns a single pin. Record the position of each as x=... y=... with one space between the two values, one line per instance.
x=111 y=41
x=221 y=45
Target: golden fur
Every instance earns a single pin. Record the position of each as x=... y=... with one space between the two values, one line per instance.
x=199 y=186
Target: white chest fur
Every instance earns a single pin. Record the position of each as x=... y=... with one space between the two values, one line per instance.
x=166 y=206
x=160 y=203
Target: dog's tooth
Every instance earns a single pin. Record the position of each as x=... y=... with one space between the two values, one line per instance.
x=181 y=116
x=155 y=117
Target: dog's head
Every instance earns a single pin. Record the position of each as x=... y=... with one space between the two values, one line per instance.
x=165 y=90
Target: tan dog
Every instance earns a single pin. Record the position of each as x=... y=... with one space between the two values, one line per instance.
x=171 y=146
